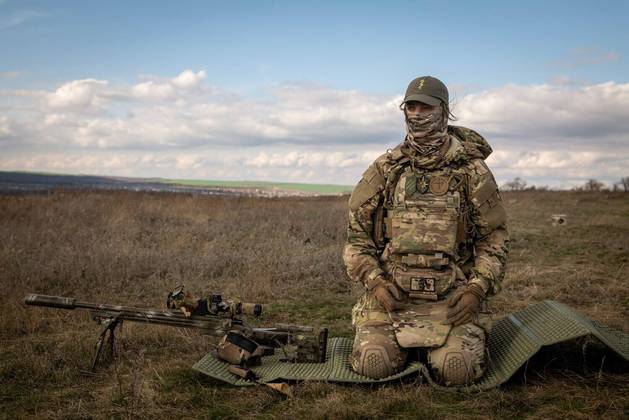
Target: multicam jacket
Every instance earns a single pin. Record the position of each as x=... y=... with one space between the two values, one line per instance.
x=429 y=230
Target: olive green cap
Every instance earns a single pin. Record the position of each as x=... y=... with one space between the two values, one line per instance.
x=427 y=89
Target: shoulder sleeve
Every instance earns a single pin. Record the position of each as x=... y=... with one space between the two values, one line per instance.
x=491 y=238
x=489 y=210
x=371 y=183
x=360 y=253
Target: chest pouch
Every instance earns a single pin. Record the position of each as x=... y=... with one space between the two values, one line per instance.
x=424 y=218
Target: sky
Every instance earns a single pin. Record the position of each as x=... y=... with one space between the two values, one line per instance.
x=308 y=91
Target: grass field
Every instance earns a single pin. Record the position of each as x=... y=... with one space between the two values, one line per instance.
x=131 y=248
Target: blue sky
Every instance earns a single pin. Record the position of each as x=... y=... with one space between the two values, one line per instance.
x=371 y=46
x=253 y=49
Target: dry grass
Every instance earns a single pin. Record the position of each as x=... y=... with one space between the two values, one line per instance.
x=131 y=248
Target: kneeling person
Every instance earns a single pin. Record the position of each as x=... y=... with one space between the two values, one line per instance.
x=427 y=237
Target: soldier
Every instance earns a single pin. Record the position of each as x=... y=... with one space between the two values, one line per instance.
x=427 y=237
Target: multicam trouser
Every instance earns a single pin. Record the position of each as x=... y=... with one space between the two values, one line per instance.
x=456 y=355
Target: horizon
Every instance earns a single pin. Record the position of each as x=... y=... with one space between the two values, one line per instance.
x=524 y=185
x=308 y=93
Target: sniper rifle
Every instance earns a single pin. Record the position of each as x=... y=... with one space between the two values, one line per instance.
x=240 y=345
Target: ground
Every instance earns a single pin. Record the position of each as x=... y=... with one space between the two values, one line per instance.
x=131 y=248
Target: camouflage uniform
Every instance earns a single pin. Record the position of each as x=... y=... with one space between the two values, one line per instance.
x=430 y=231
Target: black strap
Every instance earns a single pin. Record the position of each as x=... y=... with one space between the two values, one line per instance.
x=241 y=341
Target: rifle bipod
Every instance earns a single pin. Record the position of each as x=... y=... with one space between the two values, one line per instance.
x=108 y=335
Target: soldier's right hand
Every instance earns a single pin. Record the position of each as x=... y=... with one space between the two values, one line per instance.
x=389 y=295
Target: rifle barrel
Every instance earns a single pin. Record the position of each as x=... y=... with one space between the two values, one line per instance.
x=214 y=325
x=50 y=301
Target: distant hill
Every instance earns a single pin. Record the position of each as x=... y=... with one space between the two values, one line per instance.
x=38 y=181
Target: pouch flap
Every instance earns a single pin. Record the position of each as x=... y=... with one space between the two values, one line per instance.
x=421 y=325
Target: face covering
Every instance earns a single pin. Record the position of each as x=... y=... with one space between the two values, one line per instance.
x=424 y=124
x=426 y=134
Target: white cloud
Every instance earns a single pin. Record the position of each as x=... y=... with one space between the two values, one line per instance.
x=550 y=116
x=78 y=95
x=151 y=89
x=187 y=162
x=550 y=132
x=178 y=87
x=319 y=160
x=182 y=111
x=188 y=79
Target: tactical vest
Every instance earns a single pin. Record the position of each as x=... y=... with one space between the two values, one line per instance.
x=424 y=214
x=424 y=228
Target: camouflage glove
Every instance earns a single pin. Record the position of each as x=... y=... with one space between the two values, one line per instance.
x=464 y=304
x=386 y=293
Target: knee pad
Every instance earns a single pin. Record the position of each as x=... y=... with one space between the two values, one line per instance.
x=377 y=356
x=374 y=362
x=460 y=361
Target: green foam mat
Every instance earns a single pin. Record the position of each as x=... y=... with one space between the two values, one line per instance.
x=335 y=369
x=512 y=341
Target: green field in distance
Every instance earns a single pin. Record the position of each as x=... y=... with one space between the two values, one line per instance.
x=52 y=178
x=313 y=188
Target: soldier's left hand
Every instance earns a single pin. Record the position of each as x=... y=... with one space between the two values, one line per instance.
x=464 y=305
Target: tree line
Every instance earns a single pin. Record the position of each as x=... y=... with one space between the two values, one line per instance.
x=519 y=184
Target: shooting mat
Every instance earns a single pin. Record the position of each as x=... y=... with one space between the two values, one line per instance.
x=512 y=341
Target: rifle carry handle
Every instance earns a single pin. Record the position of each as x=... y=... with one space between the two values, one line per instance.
x=50 y=301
